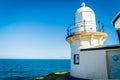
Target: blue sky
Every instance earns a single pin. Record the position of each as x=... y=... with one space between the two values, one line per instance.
x=37 y=28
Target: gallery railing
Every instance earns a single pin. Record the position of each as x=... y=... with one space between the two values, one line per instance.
x=77 y=26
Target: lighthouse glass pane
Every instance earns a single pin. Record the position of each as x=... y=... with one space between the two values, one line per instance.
x=87 y=16
x=114 y=64
x=78 y=18
x=76 y=58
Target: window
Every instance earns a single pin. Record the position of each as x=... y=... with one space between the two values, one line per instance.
x=76 y=58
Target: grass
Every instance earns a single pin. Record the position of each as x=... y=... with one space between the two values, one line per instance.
x=54 y=76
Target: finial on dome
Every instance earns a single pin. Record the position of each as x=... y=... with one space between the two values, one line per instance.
x=83 y=4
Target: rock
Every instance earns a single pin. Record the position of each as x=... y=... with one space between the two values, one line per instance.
x=39 y=78
x=64 y=78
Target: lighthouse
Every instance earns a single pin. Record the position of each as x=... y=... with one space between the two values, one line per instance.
x=90 y=59
x=84 y=31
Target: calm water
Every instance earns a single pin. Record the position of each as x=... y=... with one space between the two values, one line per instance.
x=21 y=69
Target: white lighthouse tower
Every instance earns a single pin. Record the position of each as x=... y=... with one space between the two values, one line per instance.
x=82 y=35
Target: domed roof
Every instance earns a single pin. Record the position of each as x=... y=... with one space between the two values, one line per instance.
x=84 y=9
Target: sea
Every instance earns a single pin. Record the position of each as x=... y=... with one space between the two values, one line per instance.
x=29 y=69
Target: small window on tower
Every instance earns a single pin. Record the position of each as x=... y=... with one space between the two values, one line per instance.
x=76 y=58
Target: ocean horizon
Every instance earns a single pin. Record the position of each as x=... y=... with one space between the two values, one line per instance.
x=29 y=69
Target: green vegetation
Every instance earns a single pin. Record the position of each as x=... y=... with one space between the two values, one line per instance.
x=54 y=76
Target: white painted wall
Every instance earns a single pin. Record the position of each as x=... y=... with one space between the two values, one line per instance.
x=92 y=65
x=87 y=43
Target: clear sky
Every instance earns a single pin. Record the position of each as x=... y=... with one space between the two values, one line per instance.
x=37 y=28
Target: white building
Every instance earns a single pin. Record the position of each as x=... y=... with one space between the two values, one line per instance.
x=116 y=23
x=89 y=59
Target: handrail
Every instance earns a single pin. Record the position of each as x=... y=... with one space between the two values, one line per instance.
x=71 y=28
